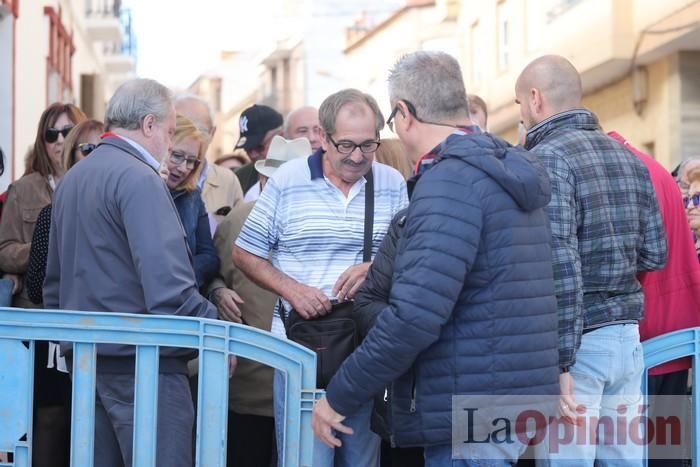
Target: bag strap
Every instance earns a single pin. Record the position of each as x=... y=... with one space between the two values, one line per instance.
x=369 y=217
x=369 y=228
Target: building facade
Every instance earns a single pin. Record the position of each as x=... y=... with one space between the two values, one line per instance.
x=371 y=51
x=74 y=51
x=639 y=61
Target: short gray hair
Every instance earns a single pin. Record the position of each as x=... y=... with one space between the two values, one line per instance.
x=684 y=163
x=136 y=99
x=290 y=116
x=432 y=82
x=182 y=97
x=330 y=107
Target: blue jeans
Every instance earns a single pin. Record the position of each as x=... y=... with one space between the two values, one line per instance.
x=359 y=449
x=608 y=382
x=441 y=456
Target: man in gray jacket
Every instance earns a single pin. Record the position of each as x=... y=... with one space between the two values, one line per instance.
x=116 y=245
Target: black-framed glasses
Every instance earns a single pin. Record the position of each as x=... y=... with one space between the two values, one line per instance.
x=412 y=110
x=86 y=148
x=177 y=158
x=347 y=147
x=51 y=135
x=695 y=198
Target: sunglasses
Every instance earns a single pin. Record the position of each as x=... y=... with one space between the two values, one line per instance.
x=695 y=198
x=51 y=135
x=86 y=148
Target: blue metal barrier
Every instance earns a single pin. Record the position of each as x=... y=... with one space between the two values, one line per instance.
x=215 y=341
x=669 y=347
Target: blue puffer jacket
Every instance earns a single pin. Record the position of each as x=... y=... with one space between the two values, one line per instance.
x=195 y=221
x=472 y=307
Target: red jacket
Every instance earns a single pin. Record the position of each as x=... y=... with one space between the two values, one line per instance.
x=671 y=295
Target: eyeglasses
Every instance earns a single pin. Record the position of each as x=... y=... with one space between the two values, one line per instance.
x=695 y=198
x=178 y=158
x=347 y=147
x=412 y=110
x=51 y=135
x=86 y=148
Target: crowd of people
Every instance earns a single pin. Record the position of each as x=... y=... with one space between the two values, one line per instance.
x=469 y=266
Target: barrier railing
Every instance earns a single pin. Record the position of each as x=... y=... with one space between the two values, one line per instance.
x=215 y=341
x=669 y=347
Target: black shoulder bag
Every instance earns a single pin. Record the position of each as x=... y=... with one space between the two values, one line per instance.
x=336 y=335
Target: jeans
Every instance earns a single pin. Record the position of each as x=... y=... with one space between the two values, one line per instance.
x=608 y=382
x=441 y=456
x=359 y=449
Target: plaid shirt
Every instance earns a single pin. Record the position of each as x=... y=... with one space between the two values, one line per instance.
x=606 y=225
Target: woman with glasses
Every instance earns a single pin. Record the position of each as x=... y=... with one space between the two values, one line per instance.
x=184 y=166
x=79 y=143
x=26 y=197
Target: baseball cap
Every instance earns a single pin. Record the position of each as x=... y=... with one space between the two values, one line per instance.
x=254 y=123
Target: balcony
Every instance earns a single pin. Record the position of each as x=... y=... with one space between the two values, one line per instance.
x=117 y=61
x=102 y=20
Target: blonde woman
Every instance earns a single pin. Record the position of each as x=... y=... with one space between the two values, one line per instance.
x=184 y=166
x=391 y=152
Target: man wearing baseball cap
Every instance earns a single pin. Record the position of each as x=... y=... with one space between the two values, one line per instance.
x=258 y=125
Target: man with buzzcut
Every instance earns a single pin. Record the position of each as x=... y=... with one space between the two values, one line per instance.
x=303 y=123
x=117 y=246
x=606 y=228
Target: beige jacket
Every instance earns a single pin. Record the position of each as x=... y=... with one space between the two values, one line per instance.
x=251 y=385
x=221 y=188
x=25 y=199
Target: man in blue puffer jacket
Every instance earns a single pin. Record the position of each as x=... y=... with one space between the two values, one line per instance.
x=472 y=309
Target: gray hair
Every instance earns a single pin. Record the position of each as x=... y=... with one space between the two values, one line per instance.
x=681 y=167
x=330 y=107
x=290 y=116
x=187 y=96
x=432 y=82
x=136 y=99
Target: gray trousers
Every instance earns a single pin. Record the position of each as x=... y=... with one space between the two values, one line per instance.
x=114 y=421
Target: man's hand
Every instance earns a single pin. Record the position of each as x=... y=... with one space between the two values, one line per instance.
x=227 y=301
x=350 y=281
x=309 y=302
x=325 y=420
x=16 y=282
x=568 y=407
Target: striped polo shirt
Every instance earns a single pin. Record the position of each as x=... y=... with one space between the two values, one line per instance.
x=311 y=231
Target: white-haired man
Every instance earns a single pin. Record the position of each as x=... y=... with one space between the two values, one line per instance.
x=116 y=244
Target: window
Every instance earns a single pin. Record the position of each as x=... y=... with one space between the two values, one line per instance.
x=476 y=44
x=504 y=34
x=60 y=59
